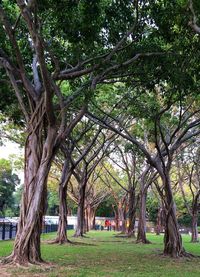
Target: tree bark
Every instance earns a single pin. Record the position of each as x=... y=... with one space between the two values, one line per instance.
x=80 y=213
x=141 y=235
x=132 y=213
x=115 y=210
x=38 y=159
x=122 y=217
x=172 y=238
x=86 y=221
x=91 y=217
x=195 y=237
x=62 y=223
x=159 y=222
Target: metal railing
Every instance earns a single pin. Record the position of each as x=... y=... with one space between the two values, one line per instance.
x=9 y=230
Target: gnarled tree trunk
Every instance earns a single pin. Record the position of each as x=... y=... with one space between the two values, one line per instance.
x=37 y=165
x=122 y=217
x=195 y=237
x=91 y=217
x=62 y=223
x=86 y=221
x=115 y=210
x=172 y=239
x=80 y=213
x=141 y=235
x=160 y=220
x=132 y=212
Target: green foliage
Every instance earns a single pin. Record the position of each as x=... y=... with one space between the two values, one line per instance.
x=105 y=208
x=152 y=208
x=8 y=183
x=186 y=220
x=53 y=203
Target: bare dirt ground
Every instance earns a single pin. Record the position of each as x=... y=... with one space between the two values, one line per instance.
x=4 y=271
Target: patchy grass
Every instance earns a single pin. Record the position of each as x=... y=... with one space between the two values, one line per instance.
x=103 y=254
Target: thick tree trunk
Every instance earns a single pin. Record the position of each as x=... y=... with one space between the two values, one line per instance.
x=141 y=235
x=172 y=239
x=80 y=213
x=37 y=165
x=132 y=213
x=195 y=237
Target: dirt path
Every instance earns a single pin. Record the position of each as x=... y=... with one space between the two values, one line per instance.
x=4 y=272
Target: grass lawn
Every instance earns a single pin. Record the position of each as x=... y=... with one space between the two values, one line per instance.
x=103 y=254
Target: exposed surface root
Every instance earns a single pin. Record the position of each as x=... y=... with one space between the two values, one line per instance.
x=57 y=241
x=131 y=235
x=121 y=236
x=14 y=260
x=141 y=241
x=183 y=254
x=82 y=243
x=80 y=236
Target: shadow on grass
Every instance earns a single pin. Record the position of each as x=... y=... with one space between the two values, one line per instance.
x=83 y=243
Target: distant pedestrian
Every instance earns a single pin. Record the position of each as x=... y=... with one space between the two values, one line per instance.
x=107 y=224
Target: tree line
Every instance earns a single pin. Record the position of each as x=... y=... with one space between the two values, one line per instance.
x=88 y=81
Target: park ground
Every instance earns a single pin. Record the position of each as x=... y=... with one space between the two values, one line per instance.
x=102 y=253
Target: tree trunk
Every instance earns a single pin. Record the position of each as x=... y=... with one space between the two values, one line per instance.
x=37 y=165
x=115 y=210
x=86 y=221
x=132 y=213
x=80 y=213
x=91 y=217
x=141 y=235
x=93 y=227
x=172 y=239
x=122 y=218
x=62 y=223
x=158 y=222
x=195 y=237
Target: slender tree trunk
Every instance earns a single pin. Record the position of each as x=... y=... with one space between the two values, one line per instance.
x=172 y=239
x=94 y=220
x=38 y=159
x=80 y=213
x=91 y=217
x=86 y=221
x=122 y=218
x=195 y=237
x=132 y=213
x=62 y=223
x=141 y=235
x=158 y=222
x=116 y=218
